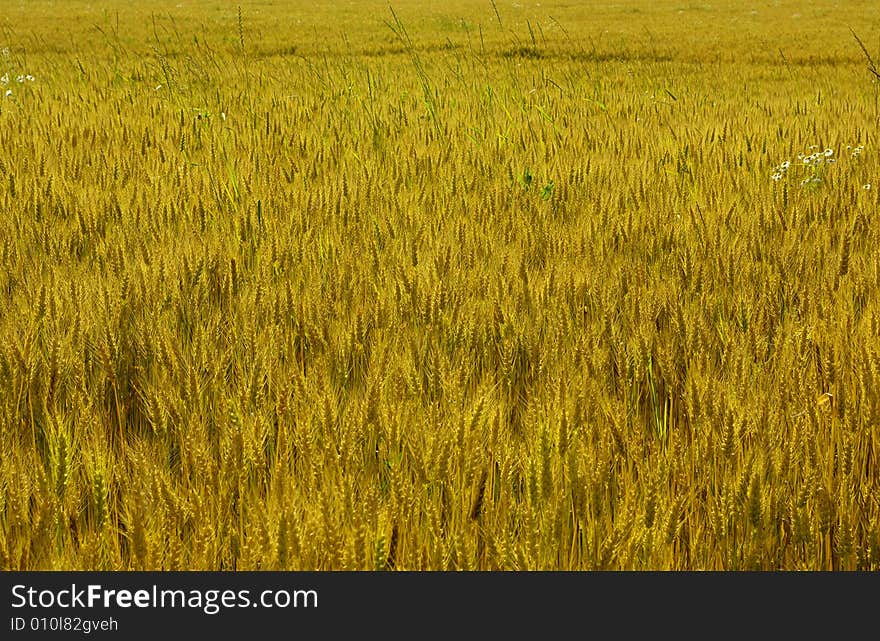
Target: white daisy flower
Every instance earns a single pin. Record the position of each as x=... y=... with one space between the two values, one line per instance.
x=829 y=152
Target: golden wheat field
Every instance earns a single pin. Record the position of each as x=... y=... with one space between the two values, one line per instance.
x=428 y=286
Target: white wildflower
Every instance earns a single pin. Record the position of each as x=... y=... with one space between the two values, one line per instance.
x=866 y=186
x=777 y=176
x=829 y=153
x=4 y=79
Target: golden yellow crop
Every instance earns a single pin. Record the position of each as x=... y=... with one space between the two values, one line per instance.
x=450 y=286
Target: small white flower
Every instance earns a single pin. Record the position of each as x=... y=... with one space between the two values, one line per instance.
x=866 y=186
x=29 y=78
x=831 y=161
x=19 y=79
x=829 y=153
x=777 y=176
x=785 y=165
x=8 y=93
x=223 y=116
x=4 y=79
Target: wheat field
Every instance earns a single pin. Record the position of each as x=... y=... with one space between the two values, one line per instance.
x=431 y=286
